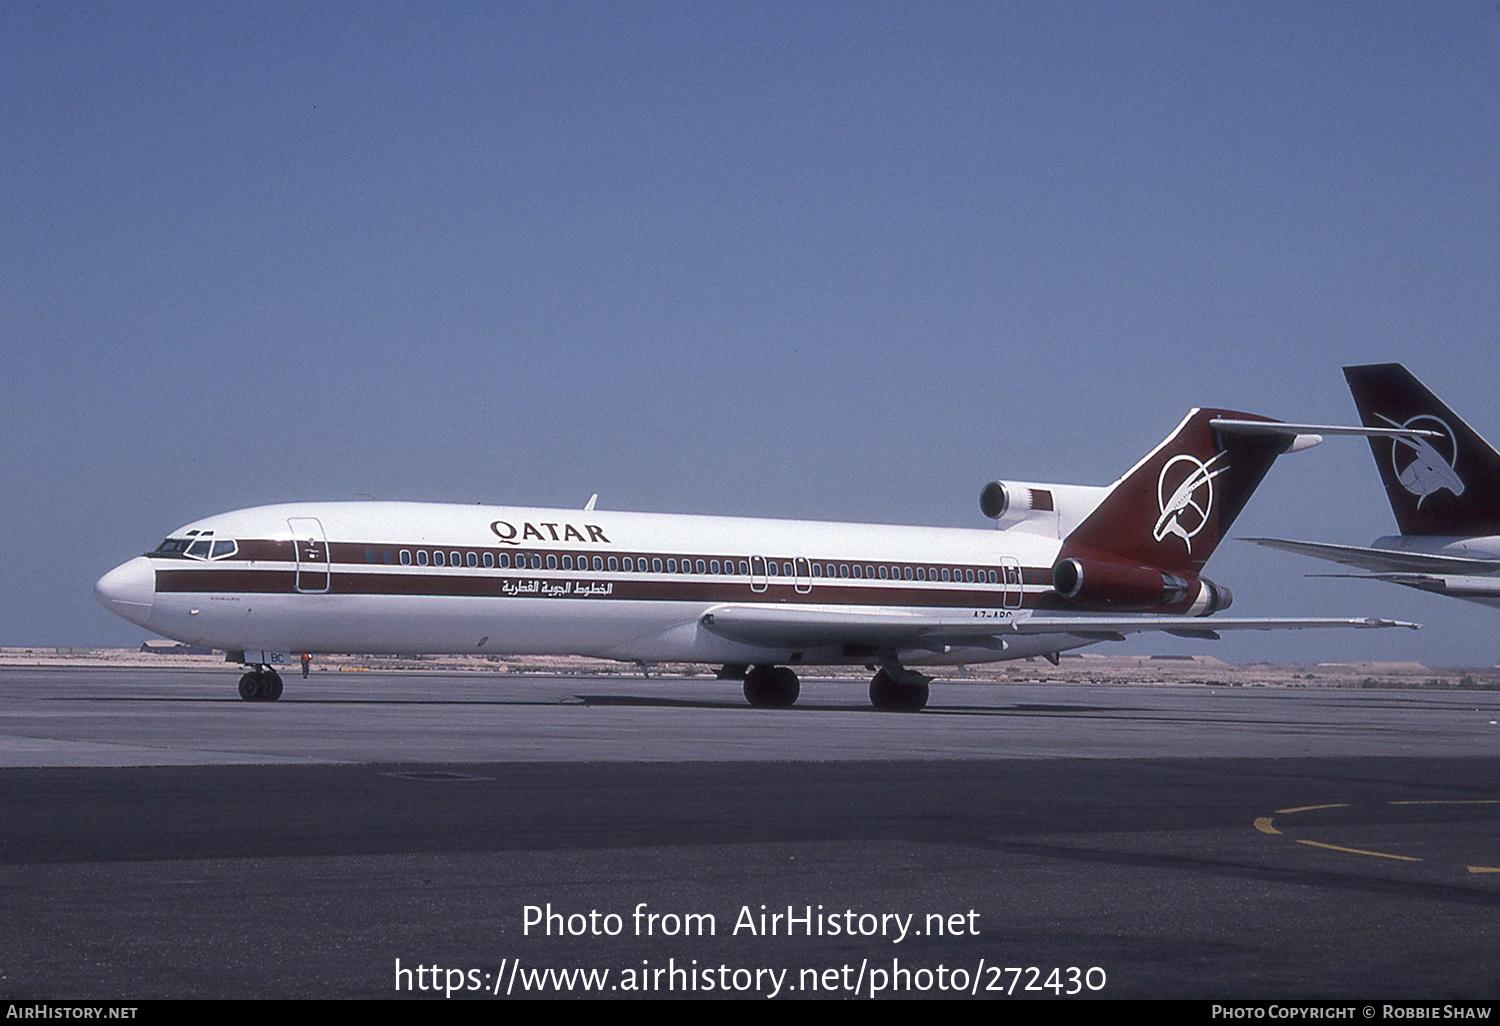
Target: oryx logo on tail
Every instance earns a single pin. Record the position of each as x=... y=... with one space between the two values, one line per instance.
x=1421 y=467
x=1185 y=492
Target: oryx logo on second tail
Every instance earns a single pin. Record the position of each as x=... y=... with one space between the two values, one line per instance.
x=1185 y=495
x=1422 y=467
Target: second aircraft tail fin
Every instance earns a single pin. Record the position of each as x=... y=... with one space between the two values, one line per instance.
x=1445 y=485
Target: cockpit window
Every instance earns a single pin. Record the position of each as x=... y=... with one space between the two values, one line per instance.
x=202 y=547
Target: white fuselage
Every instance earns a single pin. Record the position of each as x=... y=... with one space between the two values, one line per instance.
x=393 y=577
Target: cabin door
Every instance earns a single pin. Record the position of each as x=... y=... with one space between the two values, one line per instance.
x=803 y=569
x=1010 y=572
x=311 y=546
x=758 y=573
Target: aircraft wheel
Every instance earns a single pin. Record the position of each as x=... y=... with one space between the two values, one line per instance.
x=250 y=687
x=888 y=696
x=273 y=687
x=772 y=687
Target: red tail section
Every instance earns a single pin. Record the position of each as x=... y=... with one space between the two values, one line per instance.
x=1168 y=514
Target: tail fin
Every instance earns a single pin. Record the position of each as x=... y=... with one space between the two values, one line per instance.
x=1173 y=507
x=1447 y=485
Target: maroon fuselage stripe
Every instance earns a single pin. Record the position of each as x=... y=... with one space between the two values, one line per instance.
x=209 y=578
x=231 y=576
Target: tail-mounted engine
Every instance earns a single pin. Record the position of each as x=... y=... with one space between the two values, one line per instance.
x=1106 y=586
x=1050 y=510
x=1012 y=502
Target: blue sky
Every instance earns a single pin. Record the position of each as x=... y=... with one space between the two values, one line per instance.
x=838 y=261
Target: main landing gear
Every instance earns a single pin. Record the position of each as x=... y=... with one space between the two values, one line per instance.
x=894 y=688
x=888 y=694
x=262 y=684
x=771 y=687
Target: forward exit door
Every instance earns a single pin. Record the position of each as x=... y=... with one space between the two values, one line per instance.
x=311 y=547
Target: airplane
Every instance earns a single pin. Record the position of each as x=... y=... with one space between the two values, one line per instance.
x=1069 y=566
x=1444 y=489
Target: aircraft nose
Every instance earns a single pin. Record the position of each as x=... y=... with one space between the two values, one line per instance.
x=128 y=590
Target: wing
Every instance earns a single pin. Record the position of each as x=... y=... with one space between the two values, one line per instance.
x=1383 y=561
x=1458 y=585
x=890 y=628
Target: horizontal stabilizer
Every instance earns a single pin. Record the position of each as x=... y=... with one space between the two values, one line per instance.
x=1277 y=427
x=1383 y=560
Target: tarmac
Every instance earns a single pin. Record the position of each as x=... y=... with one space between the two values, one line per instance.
x=378 y=835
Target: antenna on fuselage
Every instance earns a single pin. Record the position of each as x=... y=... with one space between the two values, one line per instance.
x=588 y=507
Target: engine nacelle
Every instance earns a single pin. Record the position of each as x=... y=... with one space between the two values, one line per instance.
x=1119 y=587
x=1012 y=501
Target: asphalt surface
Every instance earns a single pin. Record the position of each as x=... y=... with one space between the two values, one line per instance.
x=158 y=838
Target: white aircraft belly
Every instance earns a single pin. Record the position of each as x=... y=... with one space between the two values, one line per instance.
x=393 y=624
x=618 y=629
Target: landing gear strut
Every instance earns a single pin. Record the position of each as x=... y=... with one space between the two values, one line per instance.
x=771 y=687
x=262 y=684
x=889 y=696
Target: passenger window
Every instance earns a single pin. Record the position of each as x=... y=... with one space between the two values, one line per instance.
x=629 y=565
x=551 y=561
x=671 y=566
x=885 y=572
x=908 y=573
x=406 y=557
x=456 y=559
x=567 y=562
x=817 y=569
x=969 y=576
x=656 y=565
x=843 y=569
x=489 y=560
x=421 y=557
x=744 y=568
x=613 y=564
x=472 y=559
x=438 y=559
x=369 y=555
x=713 y=566
x=702 y=567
